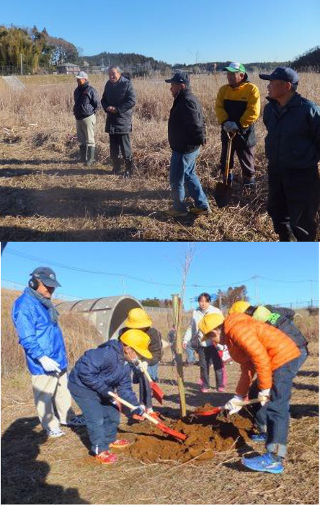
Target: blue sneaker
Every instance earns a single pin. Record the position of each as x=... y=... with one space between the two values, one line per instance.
x=259 y=437
x=264 y=463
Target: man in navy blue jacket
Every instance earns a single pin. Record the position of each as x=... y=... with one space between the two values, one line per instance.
x=36 y=321
x=98 y=372
x=293 y=152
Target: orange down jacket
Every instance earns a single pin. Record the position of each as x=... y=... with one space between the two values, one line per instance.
x=259 y=348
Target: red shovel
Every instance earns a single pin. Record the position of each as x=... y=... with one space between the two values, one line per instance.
x=159 y=424
x=156 y=390
x=217 y=410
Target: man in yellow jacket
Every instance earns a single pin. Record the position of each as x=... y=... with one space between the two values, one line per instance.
x=270 y=354
x=238 y=108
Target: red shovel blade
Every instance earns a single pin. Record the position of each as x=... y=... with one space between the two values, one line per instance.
x=171 y=432
x=157 y=392
x=211 y=412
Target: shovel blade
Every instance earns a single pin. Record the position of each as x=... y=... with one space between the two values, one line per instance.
x=211 y=412
x=173 y=433
x=222 y=194
x=157 y=392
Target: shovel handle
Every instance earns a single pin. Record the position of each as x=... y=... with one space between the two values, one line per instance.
x=248 y=402
x=132 y=407
x=227 y=167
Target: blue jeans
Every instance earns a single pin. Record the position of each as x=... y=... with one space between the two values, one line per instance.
x=153 y=372
x=182 y=172
x=102 y=420
x=190 y=354
x=274 y=416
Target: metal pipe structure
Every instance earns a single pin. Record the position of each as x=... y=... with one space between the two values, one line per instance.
x=107 y=314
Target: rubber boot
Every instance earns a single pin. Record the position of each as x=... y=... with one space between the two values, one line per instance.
x=83 y=154
x=129 y=169
x=116 y=163
x=90 y=158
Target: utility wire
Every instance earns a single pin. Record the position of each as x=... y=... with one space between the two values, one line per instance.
x=112 y=274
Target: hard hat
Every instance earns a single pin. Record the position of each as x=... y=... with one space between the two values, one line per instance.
x=239 y=307
x=210 y=322
x=138 y=340
x=137 y=318
x=261 y=314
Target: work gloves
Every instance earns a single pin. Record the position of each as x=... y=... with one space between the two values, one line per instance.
x=264 y=396
x=141 y=365
x=230 y=127
x=138 y=411
x=49 y=365
x=233 y=405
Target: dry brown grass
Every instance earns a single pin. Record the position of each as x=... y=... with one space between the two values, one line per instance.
x=45 y=195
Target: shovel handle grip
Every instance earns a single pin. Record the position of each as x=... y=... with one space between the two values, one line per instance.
x=132 y=407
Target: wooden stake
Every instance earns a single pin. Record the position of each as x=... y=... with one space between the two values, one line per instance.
x=177 y=312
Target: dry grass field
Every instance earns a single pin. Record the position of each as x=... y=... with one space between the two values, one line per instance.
x=38 y=470
x=46 y=195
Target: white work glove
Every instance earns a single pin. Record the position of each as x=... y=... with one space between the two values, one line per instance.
x=49 y=365
x=139 y=410
x=230 y=126
x=219 y=347
x=264 y=396
x=233 y=405
x=141 y=365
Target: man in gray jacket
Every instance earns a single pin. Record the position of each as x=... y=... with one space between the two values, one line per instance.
x=293 y=152
x=118 y=101
x=86 y=103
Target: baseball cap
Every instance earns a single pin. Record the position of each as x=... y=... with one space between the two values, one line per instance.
x=180 y=78
x=235 y=67
x=82 y=75
x=282 y=74
x=47 y=276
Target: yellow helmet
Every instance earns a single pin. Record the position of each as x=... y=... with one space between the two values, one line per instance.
x=210 y=322
x=138 y=318
x=138 y=340
x=239 y=307
x=261 y=314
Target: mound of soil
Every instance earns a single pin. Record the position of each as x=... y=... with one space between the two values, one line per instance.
x=205 y=437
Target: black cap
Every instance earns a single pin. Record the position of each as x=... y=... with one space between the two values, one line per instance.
x=47 y=276
x=180 y=78
x=282 y=74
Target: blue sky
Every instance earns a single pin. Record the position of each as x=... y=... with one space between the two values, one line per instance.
x=280 y=267
x=177 y=32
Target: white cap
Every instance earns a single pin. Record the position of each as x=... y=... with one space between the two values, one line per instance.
x=82 y=75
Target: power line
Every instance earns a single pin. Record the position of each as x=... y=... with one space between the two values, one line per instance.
x=139 y=279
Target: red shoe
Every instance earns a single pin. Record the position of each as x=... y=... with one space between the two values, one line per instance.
x=120 y=443
x=221 y=389
x=205 y=390
x=106 y=458
x=155 y=415
x=136 y=417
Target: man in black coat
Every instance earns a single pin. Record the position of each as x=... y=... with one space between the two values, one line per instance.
x=293 y=152
x=186 y=131
x=86 y=103
x=118 y=101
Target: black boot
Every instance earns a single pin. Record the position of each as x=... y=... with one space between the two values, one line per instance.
x=83 y=154
x=90 y=159
x=129 y=169
x=116 y=163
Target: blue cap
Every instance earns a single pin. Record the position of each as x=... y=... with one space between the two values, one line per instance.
x=47 y=276
x=180 y=78
x=282 y=74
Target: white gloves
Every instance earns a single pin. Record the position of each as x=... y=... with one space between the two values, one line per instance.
x=142 y=365
x=264 y=396
x=49 y=365
x=230 y=126
x=233 y=405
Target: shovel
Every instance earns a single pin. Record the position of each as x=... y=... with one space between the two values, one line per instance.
x=159 y=424
x=156 y=390
x=217 y=410
x=223 y=191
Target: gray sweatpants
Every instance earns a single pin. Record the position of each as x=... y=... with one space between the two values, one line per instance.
x=85 y=130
